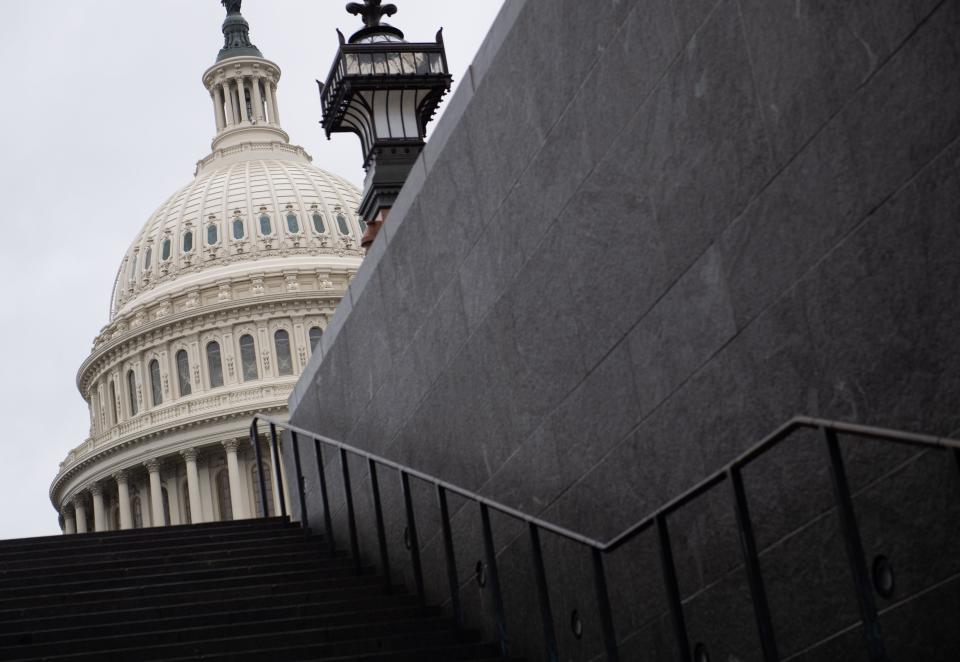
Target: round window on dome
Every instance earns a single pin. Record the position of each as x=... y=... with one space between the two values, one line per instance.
x=318 y=224
x=266 y=227
x=212 y=234
x=293 y=223
x=342 y=224
x=187 y=242
x=239 y=232
x=165 y=250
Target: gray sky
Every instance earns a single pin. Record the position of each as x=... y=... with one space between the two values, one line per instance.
x=104 y=117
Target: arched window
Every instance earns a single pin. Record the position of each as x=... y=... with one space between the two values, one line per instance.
x=224 y=502
x=268 y=484
x=166 y=506
x=239 y=232
x=318 y=224
x=133 y=269
x=214 y=364
x=132 y=391
x=248 y=358
x=113 y=404
x=185 y=500
x=212 y=234
x=183 y=372
x=137 y=511
x=187 y=241
x=165 y=250
x=316 y=333
x=147 y=258
x=293 y=223
x=156 y=388
x=281 y=339
x=266 y=227
x=342 y=224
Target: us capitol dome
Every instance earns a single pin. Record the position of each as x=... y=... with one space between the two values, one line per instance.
x=217 y=307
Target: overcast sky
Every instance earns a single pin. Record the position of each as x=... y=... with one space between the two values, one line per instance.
x=104 y=116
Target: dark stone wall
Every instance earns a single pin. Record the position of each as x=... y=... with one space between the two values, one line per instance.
x=645 y=234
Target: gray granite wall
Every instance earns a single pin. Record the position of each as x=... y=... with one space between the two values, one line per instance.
x=645 y=234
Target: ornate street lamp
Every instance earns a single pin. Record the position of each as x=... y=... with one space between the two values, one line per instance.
x=386 y=91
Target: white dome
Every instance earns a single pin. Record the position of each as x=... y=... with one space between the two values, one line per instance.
x=202 y=217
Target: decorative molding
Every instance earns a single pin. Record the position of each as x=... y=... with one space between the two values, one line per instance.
x=152 y=466
x=189 y=454
x=230 y=445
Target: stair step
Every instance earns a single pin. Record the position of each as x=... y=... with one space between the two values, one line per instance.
x=147 y=620
x=282 y=535
x=123 y=570
x=313 y=642
x=182 y=530
x=198 y=636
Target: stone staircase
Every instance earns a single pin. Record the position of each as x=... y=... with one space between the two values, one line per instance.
x=250 y=590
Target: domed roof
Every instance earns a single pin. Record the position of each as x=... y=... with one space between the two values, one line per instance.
x=253 y=210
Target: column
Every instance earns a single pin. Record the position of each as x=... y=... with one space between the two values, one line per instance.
x=156 y=492
x=233 y=471
x=69 y=523
x=271 y=106
x=193 y=485
x=231 y=113
x=257 y=99
x=242 y=97
x=80 y=508
x=273 y=99
x=216 y=94
x=173 y=495
x=99 y=516
x=123 y=499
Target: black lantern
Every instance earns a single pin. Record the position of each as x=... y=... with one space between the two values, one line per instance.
x=386 y=91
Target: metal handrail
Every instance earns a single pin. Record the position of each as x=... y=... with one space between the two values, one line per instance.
x=732 y=472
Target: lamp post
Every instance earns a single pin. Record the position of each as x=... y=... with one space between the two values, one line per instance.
x=385 y=90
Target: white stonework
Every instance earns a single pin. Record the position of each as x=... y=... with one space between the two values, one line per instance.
x=249 y=258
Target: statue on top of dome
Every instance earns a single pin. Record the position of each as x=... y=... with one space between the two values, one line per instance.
x=233 y=6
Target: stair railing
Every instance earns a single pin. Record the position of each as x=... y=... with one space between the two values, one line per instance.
x=732 y=473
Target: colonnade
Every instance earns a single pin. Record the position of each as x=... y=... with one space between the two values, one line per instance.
x=76 y=519
x=230 y=101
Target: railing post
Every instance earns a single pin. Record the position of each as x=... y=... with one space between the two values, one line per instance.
x=449 y=555
x=414 y=540
x=351 y=516
x=259 y=458
x=748 y=546
x=673 y=589
x=381 y=531
x=301 y=490
x=494 y=581
x=855 y=554
x=322 y=475
x=603 y=607
x=543 y=594
x=276 y=471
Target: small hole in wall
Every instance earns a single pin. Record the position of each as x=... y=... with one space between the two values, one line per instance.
x=481 y=574
x=883 y=579
x=700 y=653
x=576 y=624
